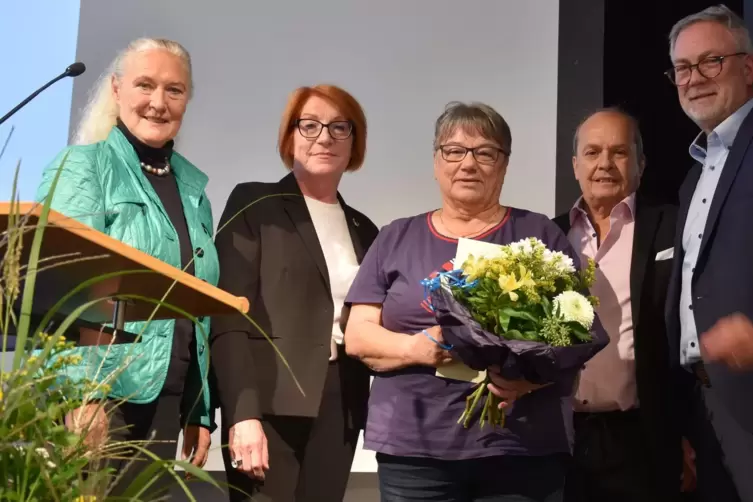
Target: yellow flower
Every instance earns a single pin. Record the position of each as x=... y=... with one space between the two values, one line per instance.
x=475 y=268
x=526 y=279
x=509 y=283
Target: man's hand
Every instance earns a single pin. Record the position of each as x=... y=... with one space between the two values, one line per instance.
x=196 y=442
x=509 y=390
x=248 y=446
x=729 y=341
x=688 y=478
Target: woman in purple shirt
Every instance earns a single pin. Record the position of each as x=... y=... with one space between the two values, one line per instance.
x=422 y=452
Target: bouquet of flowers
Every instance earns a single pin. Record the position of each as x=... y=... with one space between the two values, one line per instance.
x=519 y=308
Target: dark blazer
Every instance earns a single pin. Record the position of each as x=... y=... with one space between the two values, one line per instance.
x=722 y=284
x=271 y=255
x=649 y=279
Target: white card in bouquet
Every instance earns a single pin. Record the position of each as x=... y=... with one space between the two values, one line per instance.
x=466 y=247
x=459 y=371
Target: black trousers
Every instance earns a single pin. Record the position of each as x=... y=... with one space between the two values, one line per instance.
x=492 y=479
x=158 y=425
x=309 y=458
x=611 y=460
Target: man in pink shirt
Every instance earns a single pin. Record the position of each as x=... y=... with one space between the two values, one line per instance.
x=627 y=446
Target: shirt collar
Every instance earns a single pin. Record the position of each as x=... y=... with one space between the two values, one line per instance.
x=628 y=203
x=724 y=133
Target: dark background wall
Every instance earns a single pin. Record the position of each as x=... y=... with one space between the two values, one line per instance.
x=614 y=53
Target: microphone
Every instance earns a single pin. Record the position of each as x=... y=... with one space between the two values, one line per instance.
x=73 y=70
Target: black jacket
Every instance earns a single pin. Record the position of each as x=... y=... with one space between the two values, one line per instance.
x=271 y=255
x=649 y=279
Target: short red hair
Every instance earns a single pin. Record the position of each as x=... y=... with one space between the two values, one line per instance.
x=340 y=99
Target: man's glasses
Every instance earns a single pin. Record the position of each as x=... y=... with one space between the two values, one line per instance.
x=709 y=67
x=482 y=154
x=311 y=129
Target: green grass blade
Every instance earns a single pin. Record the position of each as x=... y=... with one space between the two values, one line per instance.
x=28 y=294
x=197 y=472
x=146 y=478
x=161 y=303
x=83 y=285
x=14 y=233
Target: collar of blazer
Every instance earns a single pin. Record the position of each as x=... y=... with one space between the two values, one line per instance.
x=647 y=218
x=295 y=207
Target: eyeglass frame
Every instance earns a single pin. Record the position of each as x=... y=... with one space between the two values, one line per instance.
x=297 y=124
x=472 y=150
x=697 y=66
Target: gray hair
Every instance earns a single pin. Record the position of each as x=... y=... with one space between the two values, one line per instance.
x=717 y=14
x=637 y=138
x=101 y=111
x=473 y=118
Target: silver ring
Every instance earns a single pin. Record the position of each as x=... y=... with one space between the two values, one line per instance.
x=236 y=463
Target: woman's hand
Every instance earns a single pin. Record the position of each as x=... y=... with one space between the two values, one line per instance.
x=421 y=350
x=196 y=442
x=248 y=447
x=509 y=390
x=91 y=420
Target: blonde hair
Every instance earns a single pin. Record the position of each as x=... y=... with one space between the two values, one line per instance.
x=101 y=111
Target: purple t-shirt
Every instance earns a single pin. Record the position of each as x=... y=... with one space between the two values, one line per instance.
x=414 y=413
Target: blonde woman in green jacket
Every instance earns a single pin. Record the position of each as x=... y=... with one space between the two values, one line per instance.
x=123 y=178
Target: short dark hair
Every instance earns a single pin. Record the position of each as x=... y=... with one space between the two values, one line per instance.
x=637 y=138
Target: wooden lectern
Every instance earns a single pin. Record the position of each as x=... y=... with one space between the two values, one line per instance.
x=90 y=254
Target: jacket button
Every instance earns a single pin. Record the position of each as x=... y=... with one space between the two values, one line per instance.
x=199 y=252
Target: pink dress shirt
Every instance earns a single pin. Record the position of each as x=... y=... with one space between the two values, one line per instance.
x=607 y=381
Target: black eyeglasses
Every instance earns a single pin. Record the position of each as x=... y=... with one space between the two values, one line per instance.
x=311 y=129
x=709 y=67
x=482 y=154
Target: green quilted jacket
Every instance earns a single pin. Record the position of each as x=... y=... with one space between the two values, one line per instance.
x=102 y=185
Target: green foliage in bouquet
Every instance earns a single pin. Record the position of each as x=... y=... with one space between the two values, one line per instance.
x=528 y=292
x=525 y=292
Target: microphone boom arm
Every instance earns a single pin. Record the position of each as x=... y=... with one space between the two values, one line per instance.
x=73 y=70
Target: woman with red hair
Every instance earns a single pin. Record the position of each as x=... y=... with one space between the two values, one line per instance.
x=294 y=254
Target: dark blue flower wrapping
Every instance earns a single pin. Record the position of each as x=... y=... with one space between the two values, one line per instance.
x=478 y=349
